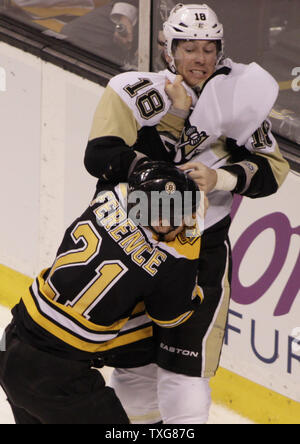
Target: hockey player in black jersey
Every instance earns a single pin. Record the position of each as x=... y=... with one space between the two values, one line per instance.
x=112 y=279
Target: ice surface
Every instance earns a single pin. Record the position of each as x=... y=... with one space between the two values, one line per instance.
x=218 y=414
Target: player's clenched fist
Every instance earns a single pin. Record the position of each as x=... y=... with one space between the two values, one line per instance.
x=178 y=94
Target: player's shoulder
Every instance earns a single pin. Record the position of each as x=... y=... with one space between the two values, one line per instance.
x=144 y=94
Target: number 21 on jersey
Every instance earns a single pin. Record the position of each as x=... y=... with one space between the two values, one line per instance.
x=106 y=275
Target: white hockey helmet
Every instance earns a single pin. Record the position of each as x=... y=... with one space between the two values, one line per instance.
x=192 y=22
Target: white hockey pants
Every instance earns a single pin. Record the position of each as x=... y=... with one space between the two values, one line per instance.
x=150 y=394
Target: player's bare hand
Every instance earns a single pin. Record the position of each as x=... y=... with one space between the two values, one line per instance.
x=205 y=177
x=178 y=94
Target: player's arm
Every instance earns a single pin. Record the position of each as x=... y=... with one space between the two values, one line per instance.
x=173 y=122
x=259 y=167
x=177 y=296
x=158 y=142
x=115 y=146
x=109 y=154
x=255 y=170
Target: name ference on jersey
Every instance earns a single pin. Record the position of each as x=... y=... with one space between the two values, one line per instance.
x=111 y=216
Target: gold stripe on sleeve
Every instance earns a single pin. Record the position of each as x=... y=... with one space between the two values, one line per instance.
x=113 y=117
x=174 y=322
x=278 y=164
x=172 y=126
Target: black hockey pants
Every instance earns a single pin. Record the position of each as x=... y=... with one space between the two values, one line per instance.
x=45 y=389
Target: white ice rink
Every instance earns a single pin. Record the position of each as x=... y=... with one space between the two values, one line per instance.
x=218 y=414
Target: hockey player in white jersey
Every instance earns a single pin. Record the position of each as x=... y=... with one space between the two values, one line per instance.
x=217 y=127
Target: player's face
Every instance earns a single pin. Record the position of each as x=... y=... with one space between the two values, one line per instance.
x=196 y=60
x=167 y=232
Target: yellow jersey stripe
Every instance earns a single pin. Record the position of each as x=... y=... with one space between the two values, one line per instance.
x=71 y=313
x=183 y=247
x=173 y=323
x=76 y=342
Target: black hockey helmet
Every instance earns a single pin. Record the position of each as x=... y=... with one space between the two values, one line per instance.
x=171 y=193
